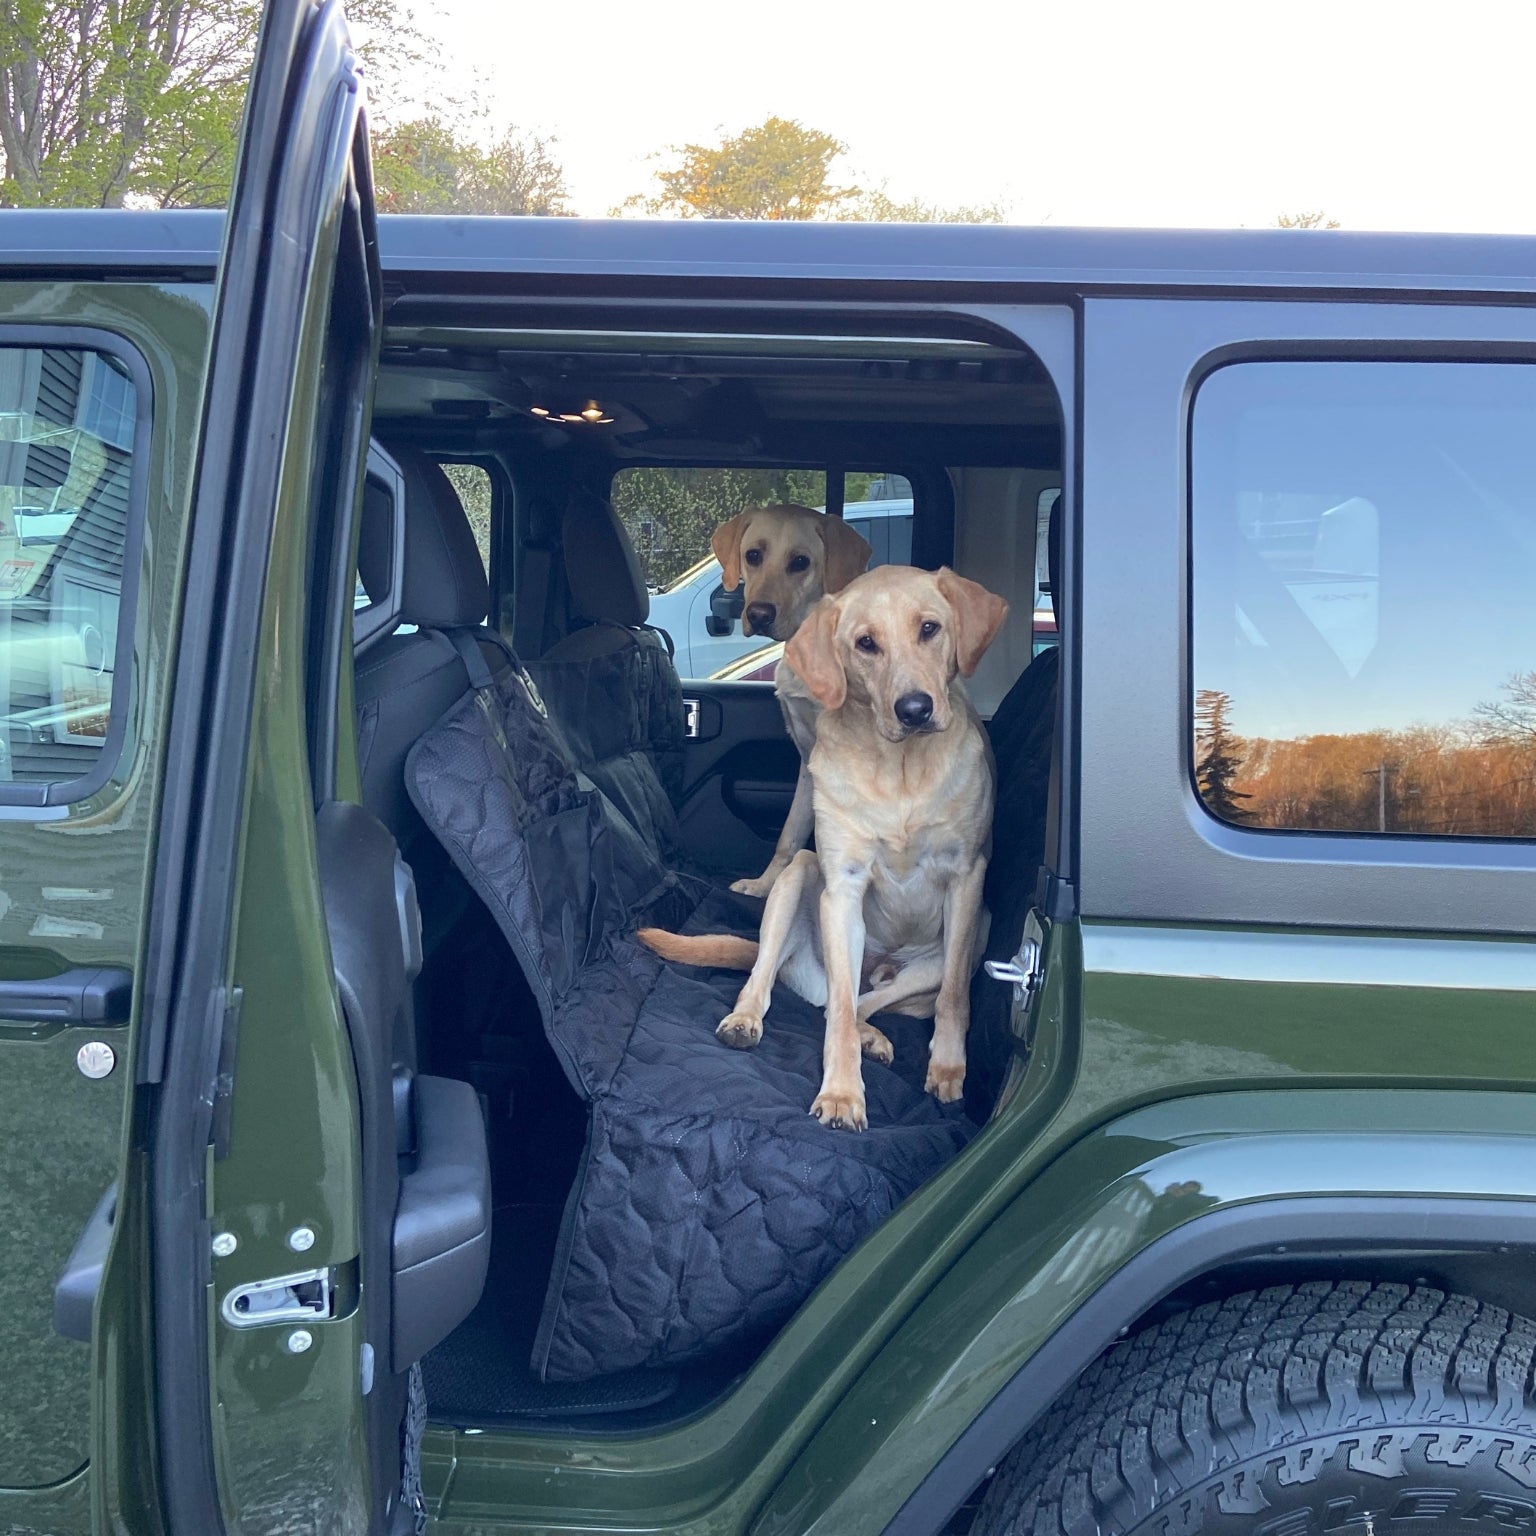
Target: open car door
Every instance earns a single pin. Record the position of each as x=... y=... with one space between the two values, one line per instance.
x=310 y=1217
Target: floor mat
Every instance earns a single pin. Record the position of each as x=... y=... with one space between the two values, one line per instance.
x=480 y=1372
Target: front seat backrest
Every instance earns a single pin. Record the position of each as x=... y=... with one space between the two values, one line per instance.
x=407 y=681
x=610 y=684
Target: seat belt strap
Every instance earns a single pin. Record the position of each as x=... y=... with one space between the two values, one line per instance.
x=467 y=643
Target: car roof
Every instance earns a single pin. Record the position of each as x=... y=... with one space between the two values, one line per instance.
x=417 y=251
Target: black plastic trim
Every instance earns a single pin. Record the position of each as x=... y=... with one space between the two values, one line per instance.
x=1205 y=1243
x=75 y=1291
x=109 y=343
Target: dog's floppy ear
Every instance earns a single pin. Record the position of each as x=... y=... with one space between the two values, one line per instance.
x=848 y=552
x=979 y=615
x=812 y=653
x=726 y=543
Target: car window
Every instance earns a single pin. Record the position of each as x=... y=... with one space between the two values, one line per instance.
x=1363 y=558
x=872 y=531
x=472 y=482
x=671 y=513
x=68 y=484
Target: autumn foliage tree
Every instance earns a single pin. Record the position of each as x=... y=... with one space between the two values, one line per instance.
x=776 y=170
x=878 y=206
x=1315 y=220
x=1465 y=778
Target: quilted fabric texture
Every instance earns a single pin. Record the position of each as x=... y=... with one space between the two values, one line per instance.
x=621 y=718
x=709 y=1204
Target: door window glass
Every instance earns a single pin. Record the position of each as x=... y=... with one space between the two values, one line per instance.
x=1363 y=559
x=67 y=423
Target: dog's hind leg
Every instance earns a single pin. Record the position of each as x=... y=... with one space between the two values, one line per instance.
x=914 y=984
x=785 y=932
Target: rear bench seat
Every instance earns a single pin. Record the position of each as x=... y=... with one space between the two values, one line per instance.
x=708 y=1203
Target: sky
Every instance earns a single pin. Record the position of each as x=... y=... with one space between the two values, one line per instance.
x=1185 y=113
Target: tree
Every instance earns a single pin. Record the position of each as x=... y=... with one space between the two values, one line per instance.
x=430 y=166
x=1318 y=220
x=877 y=206
x=103 y=100
x=1512 y=722
x=777 y=170
x=1219 y=756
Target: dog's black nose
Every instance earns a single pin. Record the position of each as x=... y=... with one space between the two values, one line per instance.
x=760 y=617
x=914 y=710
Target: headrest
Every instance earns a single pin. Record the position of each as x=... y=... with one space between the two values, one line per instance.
x=444 y=584
x=601 y=566
x=1053 y=561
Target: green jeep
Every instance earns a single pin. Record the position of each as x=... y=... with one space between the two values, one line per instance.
x=339 y=759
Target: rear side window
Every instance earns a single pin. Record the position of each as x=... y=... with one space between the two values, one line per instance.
x=473 y=484
x=73 y=425
x=670 y=513
x=1363 y=580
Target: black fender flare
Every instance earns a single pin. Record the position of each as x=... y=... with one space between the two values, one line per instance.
x=1193 y=1249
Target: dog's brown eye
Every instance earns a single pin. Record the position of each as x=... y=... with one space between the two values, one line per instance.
x=798 y=563
x=754 y=557
x=927 y=630
x=866 y=643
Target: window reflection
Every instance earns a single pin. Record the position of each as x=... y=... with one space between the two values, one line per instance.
x=1364 y=636
x=66 y=436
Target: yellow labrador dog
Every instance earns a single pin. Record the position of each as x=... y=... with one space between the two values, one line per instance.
x=789 y=556
x=903 y=785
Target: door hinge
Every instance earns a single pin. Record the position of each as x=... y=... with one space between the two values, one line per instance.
x=308 y=1296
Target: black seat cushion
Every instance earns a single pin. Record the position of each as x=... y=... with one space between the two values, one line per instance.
x=708 y=1204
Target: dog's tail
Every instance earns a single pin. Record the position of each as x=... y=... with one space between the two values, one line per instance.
x=723 y=950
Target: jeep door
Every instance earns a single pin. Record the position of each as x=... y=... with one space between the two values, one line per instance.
x=249 y=1378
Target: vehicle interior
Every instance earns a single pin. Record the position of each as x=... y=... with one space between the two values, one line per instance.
x=489 y=541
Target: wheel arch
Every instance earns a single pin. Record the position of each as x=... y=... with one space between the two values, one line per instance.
x=1480 y=1245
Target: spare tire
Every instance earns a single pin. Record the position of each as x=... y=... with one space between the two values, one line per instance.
x=1360 y=1408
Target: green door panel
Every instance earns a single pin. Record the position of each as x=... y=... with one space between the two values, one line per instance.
x=1167 y=1009
x=62 y=1135
x=71 y=894
x=1105 y=1199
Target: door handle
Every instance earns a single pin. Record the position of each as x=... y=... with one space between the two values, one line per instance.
x=98 y=996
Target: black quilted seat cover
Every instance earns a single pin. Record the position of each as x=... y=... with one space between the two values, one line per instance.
x=709 y=1204
x=620 y=714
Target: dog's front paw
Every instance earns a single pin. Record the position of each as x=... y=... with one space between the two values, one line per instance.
x=841 y=1111
x=874 y=1044
x=758 y=887
x=946 y=1081
x=742 y=1030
